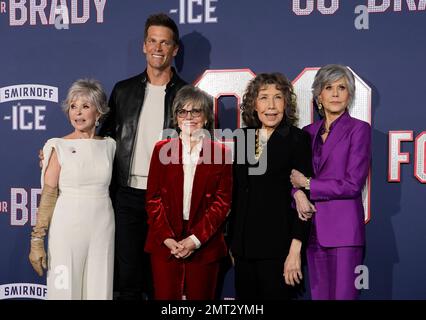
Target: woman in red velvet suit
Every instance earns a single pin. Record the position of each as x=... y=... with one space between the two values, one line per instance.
x=188 y=199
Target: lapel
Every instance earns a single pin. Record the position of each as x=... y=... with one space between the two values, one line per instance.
x=334 y=138
x=273 y=151
x=135 y=108
x=176 y=151
x=175 y=177
x=241 y=157
x=275 y=144
x=315 y=130
x=281 y=132
x=200 y=177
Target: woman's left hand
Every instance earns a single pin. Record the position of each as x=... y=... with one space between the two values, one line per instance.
x=293 y=265
x=297 y=179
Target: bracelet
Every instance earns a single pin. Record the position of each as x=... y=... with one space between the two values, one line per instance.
x=308 y=184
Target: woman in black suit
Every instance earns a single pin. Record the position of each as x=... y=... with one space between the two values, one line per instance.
x=266 y=233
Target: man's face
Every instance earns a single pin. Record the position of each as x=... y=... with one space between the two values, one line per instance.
x=159 y=47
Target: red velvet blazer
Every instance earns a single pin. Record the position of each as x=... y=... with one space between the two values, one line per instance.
x=210 y=201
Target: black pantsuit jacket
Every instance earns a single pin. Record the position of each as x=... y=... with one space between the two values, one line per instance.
x=263 y=221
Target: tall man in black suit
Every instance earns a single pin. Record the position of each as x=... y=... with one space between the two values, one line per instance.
x=140 y=108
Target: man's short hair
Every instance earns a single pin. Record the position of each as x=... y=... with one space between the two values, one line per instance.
x=162 y=19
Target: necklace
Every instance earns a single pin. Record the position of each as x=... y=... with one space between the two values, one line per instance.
x=261 y=141
x=324 y=130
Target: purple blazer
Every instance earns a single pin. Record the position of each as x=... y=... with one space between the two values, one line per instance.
x=336 y=188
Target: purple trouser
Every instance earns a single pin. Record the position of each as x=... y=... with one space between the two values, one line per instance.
x=332 y=270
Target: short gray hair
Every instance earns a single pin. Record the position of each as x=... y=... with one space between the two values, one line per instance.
x=329 y=74
x=197 y=98
x=89 y=89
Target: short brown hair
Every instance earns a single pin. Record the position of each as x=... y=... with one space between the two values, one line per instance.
x=162 y=19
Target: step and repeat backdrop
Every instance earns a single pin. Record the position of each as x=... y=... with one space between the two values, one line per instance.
x=48 y=44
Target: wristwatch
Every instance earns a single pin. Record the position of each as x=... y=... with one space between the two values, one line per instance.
x=308 y=183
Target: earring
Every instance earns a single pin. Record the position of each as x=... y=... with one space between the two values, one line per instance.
x=319 y=105
x=97 y=123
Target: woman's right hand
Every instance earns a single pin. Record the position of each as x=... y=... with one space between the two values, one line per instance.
x=305 y=209
x=297 y=179
x=174 y=246
x=38 y=256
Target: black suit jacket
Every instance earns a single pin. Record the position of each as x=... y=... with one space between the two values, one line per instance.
x=263 y=221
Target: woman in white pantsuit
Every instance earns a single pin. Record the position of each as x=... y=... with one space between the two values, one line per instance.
x=75 y=207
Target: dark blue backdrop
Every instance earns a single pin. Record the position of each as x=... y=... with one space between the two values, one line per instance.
x=263 y=36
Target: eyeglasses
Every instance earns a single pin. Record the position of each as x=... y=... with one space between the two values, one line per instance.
x=182 y=113
x=164 y=43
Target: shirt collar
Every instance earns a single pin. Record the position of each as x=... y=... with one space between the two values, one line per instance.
x=333 y=124
x=197 y=136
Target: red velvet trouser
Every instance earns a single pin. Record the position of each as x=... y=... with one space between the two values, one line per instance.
x=174 y=278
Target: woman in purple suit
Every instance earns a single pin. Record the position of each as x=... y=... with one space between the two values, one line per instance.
x=341 y=148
